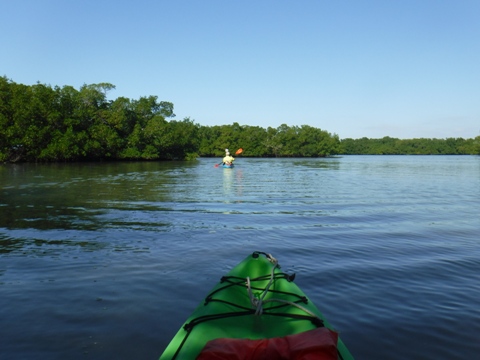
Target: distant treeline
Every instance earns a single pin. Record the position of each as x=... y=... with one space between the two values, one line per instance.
x=392 y=146
x=41 y=123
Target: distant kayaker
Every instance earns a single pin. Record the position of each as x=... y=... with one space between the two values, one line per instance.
x=228 y=159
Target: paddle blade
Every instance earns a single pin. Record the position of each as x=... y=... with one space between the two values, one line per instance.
x=239 y=151
x=216 y=165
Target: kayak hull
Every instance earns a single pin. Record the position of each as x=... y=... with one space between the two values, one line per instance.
x=228 y=166
x=228 y=312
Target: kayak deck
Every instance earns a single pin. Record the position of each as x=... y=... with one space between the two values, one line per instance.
x=255 y=300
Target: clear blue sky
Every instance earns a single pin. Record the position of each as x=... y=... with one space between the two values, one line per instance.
x=374 y=68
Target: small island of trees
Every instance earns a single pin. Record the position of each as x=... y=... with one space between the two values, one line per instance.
x=40 y=123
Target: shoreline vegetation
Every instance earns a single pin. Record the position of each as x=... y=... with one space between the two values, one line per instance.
x=41 y=123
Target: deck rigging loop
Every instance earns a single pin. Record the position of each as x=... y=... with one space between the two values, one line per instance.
x=257 y=300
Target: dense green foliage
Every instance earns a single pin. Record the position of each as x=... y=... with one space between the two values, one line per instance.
x=392 y=146
x=284 y=141
x=39 y=123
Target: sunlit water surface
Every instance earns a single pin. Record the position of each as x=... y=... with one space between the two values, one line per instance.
x=106 y=260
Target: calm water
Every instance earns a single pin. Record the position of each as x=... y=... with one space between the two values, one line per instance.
x=105 y=261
